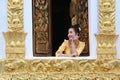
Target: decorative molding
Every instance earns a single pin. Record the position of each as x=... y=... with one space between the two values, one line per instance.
x=62 y=65
x=106 y=46
x=107 y=38
x=15 y=37
x=60 y=69
x=60 y=76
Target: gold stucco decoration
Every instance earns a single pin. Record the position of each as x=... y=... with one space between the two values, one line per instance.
x=61 y=69
x=106 y=39
x=106 y=67
x=15 y=37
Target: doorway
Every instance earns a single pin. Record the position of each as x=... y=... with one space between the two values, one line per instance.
x=51 y=20
x=61 y=21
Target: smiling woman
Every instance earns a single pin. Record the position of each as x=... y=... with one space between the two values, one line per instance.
x=51 y=20
x=71 y=47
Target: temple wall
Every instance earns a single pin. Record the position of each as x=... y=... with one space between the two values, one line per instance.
x=93 y=27
x=103 y=31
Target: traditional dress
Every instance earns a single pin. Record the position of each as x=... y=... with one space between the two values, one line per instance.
x=65 y=48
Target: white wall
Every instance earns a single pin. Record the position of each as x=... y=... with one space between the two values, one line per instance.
x=93 y=28
x=3 y=26
x=118 y=27
x=28 y=27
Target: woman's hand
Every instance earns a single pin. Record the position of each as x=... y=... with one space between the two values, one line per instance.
x=72 y=47
x=74 y=54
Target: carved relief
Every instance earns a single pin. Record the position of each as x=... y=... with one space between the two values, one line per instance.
x=107 y=37
x=21 y=76
x=40 y=65
x=106 y=46
x=39 y=76
x=88 y=65
x=15 y=15
x=107 y=17
x=5 y=76
x=15 y=37
x=52 y=65
x=60 y=76
x=65 y=65
x=60 y=69
x=112 y=65
x=16 y=66
x=41 y=26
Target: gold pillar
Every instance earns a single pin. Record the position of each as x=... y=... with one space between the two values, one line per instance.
x=15 y=37
x=106 y=39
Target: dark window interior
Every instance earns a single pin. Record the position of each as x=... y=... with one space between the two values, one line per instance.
x=60 y=22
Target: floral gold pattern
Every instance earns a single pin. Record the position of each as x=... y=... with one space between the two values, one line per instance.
x=15 y=37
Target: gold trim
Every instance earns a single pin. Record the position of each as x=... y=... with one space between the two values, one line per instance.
x=106 y=39
x=63 y=65
x=15 y=37
x=60 y=76
x=59 y=69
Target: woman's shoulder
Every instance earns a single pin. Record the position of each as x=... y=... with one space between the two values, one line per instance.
x=66 y=41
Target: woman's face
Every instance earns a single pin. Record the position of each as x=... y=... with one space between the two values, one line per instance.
x=71 y=34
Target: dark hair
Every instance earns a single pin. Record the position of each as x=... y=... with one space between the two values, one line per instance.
x=76 y=28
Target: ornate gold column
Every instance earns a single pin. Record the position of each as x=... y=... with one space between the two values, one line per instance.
x=15 y=37
x=107 y=37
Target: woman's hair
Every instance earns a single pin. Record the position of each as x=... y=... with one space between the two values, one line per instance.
x=76 y=28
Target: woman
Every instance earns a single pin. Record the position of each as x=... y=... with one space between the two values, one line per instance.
x=71 y=47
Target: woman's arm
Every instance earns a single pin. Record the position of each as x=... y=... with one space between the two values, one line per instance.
x=60 y=50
